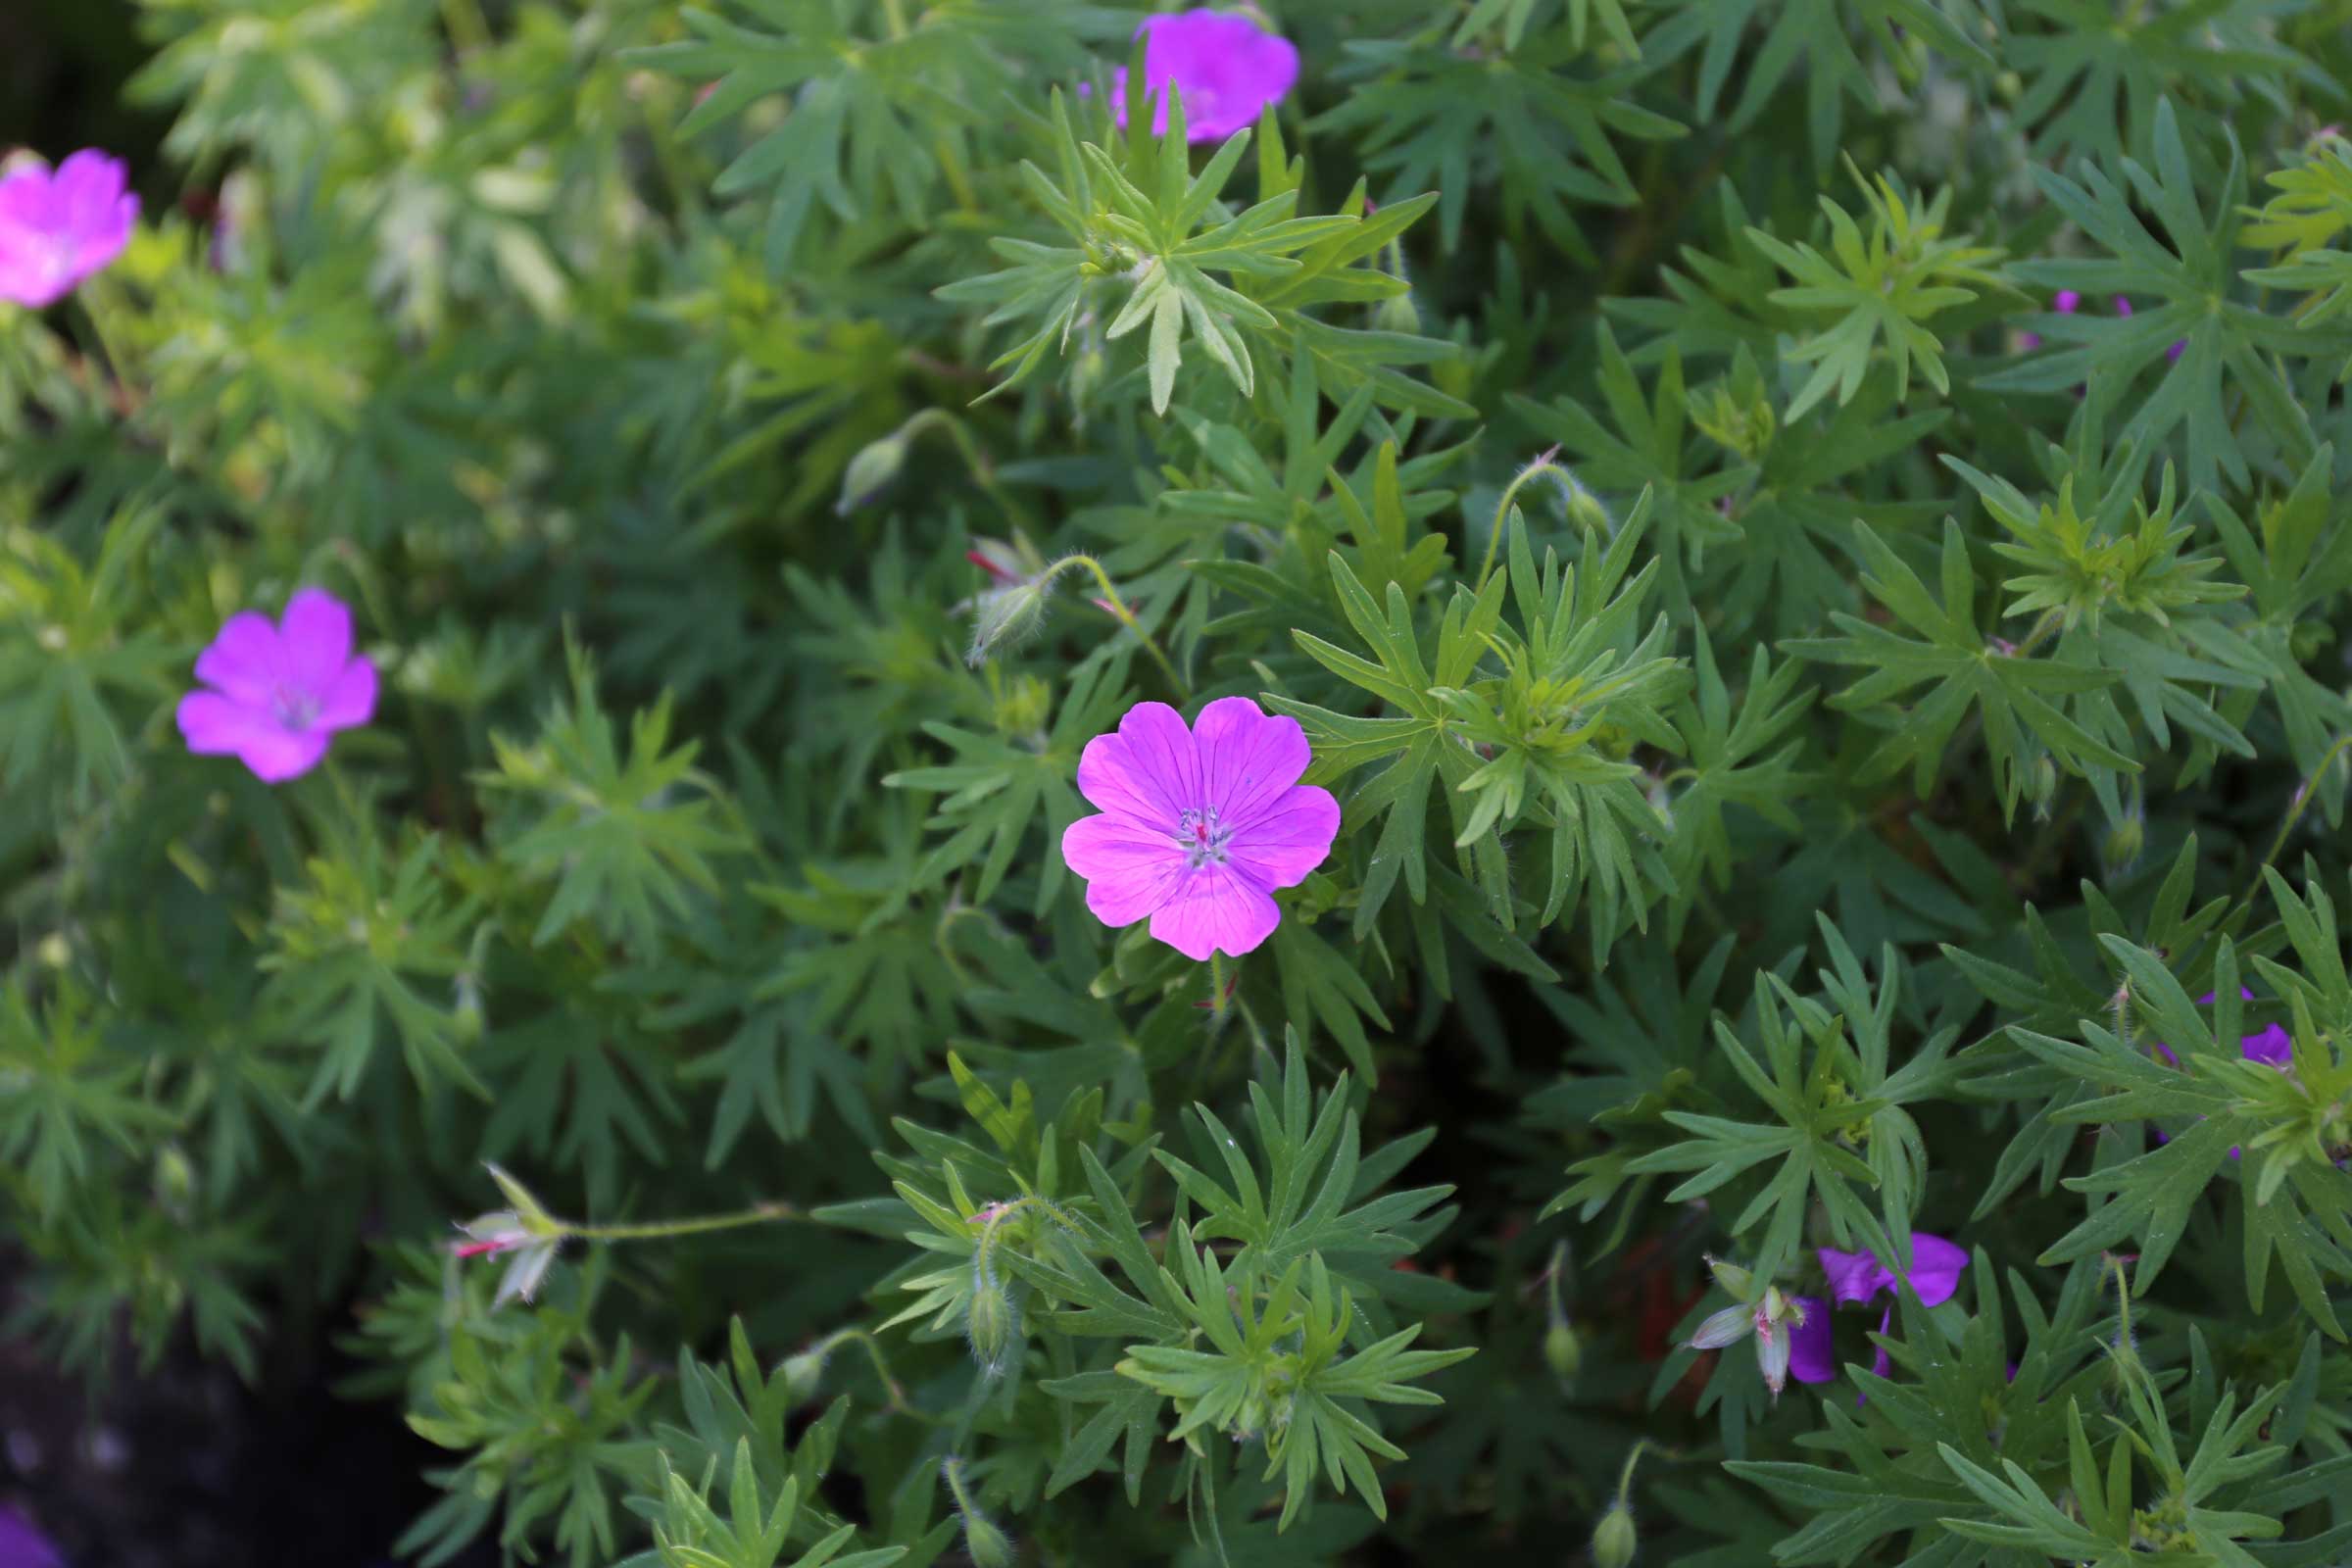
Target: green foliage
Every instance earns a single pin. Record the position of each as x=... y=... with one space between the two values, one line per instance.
x=1837 y=708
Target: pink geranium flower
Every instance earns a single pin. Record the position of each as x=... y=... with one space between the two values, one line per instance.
x=280 y=692
x=1198 y=826
x=58 y=227
x=1226 y=68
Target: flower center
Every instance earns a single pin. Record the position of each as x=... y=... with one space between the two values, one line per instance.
x=1199 y=836
x=293 y=708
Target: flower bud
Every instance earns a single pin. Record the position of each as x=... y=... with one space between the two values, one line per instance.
x=804 y=1372
x=872 y=470
x=1561 y=1350
x=2041 y=782
x=1614 y=1539
x=1737 y=1282
x=994 y=1323
x=175 y=1181
x=1003 y=615
x=1586 y=510
x=1397 y=314
x=2124 y=841
x=985 y=1544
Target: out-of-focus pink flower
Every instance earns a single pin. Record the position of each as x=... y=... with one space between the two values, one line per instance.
x=1226 y=68
x=23 y=1546
x=280 y=692
x=59 y=225
x=1198 y=826
x=2065 y=304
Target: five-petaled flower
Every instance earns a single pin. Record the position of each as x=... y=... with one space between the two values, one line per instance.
x=59 y=225
x=1226 y=68
x=1198 y=826
x=1936 y=1269
x=280 y=692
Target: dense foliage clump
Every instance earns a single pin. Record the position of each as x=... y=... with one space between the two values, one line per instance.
x=1541 y=773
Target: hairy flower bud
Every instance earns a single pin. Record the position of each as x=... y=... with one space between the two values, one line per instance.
x=1614 y=1539
x=987 y=1544
x=1397 y=314
x=1004 y=616
x=872 y=470
x=1586 y=510
x=994 y=1322
x=803 y=1374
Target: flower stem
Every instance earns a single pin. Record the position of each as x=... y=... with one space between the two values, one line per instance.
x=2302 y=804
x=1117 y=606
x=891 y=1386
x=1217 y=985
x=1503 y=509
x=757 y=1214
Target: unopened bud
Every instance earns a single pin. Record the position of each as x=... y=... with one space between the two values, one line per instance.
x=994 y=1323
x=2124 y=841
x=1397 y=314
x=1003 y=615
x=985 y=1544
x=1614 y=1539
x=1586 y=510
x=1737 y=1282
x=872 y=470
x=1562 y=1351
x=803 y=1374
x=2041 y=781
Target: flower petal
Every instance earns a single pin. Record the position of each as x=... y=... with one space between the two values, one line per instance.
x=1812 y=1349
x=93 y=212
x=246 y=661
x=1212 y=910
x=1147 y=771
x=348 y=700
x=1289 y=839
x=316 y=634
x=1936 y=1268
x=1248 y=757
x=1853 y=1276
x=214 y=725
x=1129 y=870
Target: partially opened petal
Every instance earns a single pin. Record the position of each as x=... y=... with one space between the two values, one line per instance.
x=1214 y=910
x=316 y=632
x=246 y=660
x=2273 y=1047
x=213 y=726
x=1128 y=870
x=1248 y=757
x=1289 y=840
x=350 y=699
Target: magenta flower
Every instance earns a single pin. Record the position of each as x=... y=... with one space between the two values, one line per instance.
x=2067 y=301
x=280 y=692
x=1198 y=826
x=1226 y=68
x=58 y=227
x=2273 y=1047
x=1936 y=1269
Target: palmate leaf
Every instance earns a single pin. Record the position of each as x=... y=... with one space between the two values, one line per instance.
x=2182 y=291
x=2305 y=222
x=998 y=784
x=880 y=112
x=2295 y=1204
x=1153 y=247
x=67 y=1096
x=628 y=835
x=1416 y=740
x=1728 y=768
x=1431 y=116
x=1886 y=287
x=1817 y=32
x=2004 y=687
x=1818 y=1113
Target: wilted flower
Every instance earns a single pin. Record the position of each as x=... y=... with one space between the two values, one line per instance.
x=58 y=227
x=1198 y=826
x=280 y=692
x=1226 y=68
